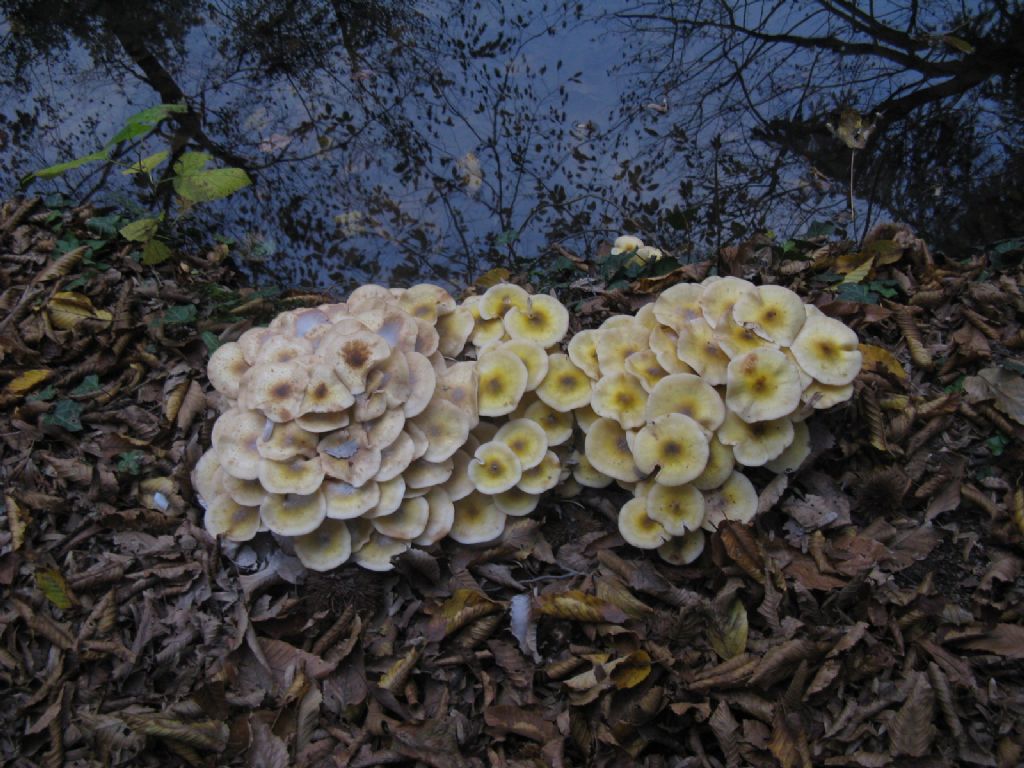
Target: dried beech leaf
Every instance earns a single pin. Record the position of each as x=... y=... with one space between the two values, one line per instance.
x=578 y=606
x=910 y=729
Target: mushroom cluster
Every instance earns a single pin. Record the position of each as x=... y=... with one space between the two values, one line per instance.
x=708 y=379
x=343 y=427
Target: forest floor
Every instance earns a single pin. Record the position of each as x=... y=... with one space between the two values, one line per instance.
x=872 y=616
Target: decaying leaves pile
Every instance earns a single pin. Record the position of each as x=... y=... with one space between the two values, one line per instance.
x=872 y=615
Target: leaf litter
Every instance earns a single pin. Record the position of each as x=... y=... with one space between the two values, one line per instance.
x=871 y=617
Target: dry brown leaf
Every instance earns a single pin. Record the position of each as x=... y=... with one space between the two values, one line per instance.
x=578 y=606
x=910 y=728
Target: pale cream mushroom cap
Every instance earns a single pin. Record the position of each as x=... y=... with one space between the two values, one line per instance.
x=277 y=389
x=827 y=349
x=393 y=379
x=386 y=428
x=582 y=351
x=543 y=320
x=286 y=441
x=585 y=417
x=500 y=298
x=458 y=385
x=689 y=395
x=566 y=386
x=663 y=342
x=283 y=349
x=248 y=493
x=614 y=345
x=235 y=437
x=762 y=385
x=805 y=378
x=720 y=296
x=533 y=356
x=795 y=454
x=502 y=382
x=638 y=529
x=226 y=517
x=398 y=329
x=755 y=444
x=495 y=468
x=626 y=244
x=454 y=330
x=207 y=475
x=772 y=312
x=395 y=458
x=487 y=332
x=296 y=475
x=645 y=366
x=645 y=316
x=527 y=440
x=683 y=550
x=427 y=338
x=324 y=392
x=735 y=340
x=698 y=348
x=557 y=425
x=252 y=340
x=735 y=499
x=369 y=406
x=674 y=444
x=323 y=422
x=345 y=501
x=354 y=356
x=820 y=396
x=440 y=520
x=407 y=522
x=720 y=465
x=391 y=493
x=679 y=508
x=678 y=304
x=423 y=474
x=584 y=473
x=608 y=450
x=345 y=455
x=620 y=396
x=360 y=529
x=459 y=485
x=226 y=367
x=477 y=520
x=515 y=502
x=446 y=427
x=379 y=551
x=305 y=323
x=326 y=548
x=542 y=477
x=293 y=514
x=369 y=292
x=427 y=302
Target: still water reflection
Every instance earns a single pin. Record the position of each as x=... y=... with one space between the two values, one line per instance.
x=405 y=141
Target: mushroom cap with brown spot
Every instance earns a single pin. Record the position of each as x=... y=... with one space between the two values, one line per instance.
x=345 y=455
x=446 y=427
x=533 y=356
x=772 y=312
x=735 y=499
x=586 y=474
x=557 y=425
x=440 y=519
x=565 y=387
x=345 y=501
x=608 y=449
x=720 y=465
x=283 y=349
x=515 y=502
x=500 y=298
x=477 y=520
x=353 y=356
x=295 y=475
x=379 y=551
x=582 y=351
x=678 y=304
x=645 y=366
x=226 y=367
x=495 y=468
x=614 y=345
x=735 y=340
x=326 y=548
x=796 y=452
x=689 y=395
x=720 y=296
x=427 y=302
x=697 y=347
x=527 y=440
x=676 y=445
x=277 y=389
x=542 y=477
x=683 y=550
x=453 y=331
x=827 y=349
x=620 y=396
x=324 y=392
x=293 y=514
x=544 y=321
x=392 y=378
x=679 y=508
x=762 y=385
x=235 y=438
x=820 y=396
x=638 y=529
x=407 y=522
x=501 y=384
x=663 y=343
x=286 y=441
x=754 y=444
x=226 y=517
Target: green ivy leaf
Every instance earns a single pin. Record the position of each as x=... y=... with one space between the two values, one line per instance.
x=179 y=314
x=43 y=395
x=211 y=341
x=66 y=414
x=89 y=385
x=203 y=186
x=140 y=230
x=130 y=462
x=155 y=252
x=104 y=225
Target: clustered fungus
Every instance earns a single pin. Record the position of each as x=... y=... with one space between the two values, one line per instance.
x=399 y=418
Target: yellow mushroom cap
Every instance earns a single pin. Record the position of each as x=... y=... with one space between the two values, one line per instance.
x=379 y=551
x=557 y=425
x=565 y=387
x=568 y=488
x=500 y=298
x=827 y=349
x=720 y=296
x=679 y=508
x=487 y=332
x=663 y=343
x=689 y=395
x=645 y=316
x=427 y=302
x=735 y=340
x=720 y=465
x=326 y=548
x=345 y=501
x=226 y=517
x=277 y=389
x=762 y=385
x=527 y=440
x=622 y=397
x=638 y=529
x=515 y=502
x=226 y=367
x=286 y=441
x=583 y=352
x=407 y=522
x=440 y=520
x=206 y=475
x=502 y=382
x=735 y=499
x=495 y=468
x=543 y=321
x=755 y=444
x=533 y=356
x=454 y=330
x=675 y=443
x=795 y=454
x=296 y=475
x=608 y=450
x=585 y=417
x=678 y=304
x=458 y=485
x=614 y=345
x=645 y=366
x=248 y=493
x=626 y=244
x=293 y=514
x=446 y=427
x=423 y=474
x=390 y=496
x=236 y=435
x=395 y=458
x=698 y=348
x=477 y=520
x=542 y=477
x=772 y=312
x=584 y=473
x=819 y=396
x=683 y=550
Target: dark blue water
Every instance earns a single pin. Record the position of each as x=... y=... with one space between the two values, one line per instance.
x=402 y=142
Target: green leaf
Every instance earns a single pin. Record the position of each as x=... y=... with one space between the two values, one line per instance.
x=66 y=414
x=211 y=341
x=203 y=186
x=130 y=462
x=56 y=170
x=140 y=230
x=89 y=385
x=856 y=292
x=43 y=395
x=53 y=586
x=179 y=314
x=104 y=225
x=145 y=121
x=820 y=229
x=146 y=164
x=997 y=444
x=155 y=252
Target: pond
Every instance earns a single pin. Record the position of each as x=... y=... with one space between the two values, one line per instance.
x=400 y=141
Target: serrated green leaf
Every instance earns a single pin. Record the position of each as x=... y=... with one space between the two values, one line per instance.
x=155 y=252
x=140 y=230
x=54 y=588
x=203 y=186
x=146 y=164
x=66 y=414
x=88 y=386
x=130 y=462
